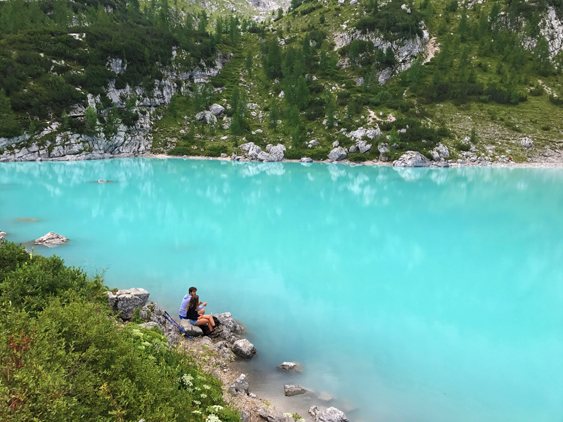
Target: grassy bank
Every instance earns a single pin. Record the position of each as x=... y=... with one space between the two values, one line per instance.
x=65 y=356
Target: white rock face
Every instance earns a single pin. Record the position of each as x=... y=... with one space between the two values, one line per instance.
x=337 y=154
x=51 y=239
x=411 y=159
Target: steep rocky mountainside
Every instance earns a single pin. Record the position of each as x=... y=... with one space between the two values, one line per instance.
x=474 y=81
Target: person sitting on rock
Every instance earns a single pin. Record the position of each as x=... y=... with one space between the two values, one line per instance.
x=195 y=318
x=184 y=306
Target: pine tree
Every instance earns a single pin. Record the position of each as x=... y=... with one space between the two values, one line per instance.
x=274 y=115
x=302 y=93
x=248 y=63
x=91 y=117
x=330 y=111
x=8 y=122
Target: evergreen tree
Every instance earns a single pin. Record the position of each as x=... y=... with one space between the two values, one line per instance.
x=543 y=64
x=219 y=28
x=91 y=117
x=330 y=111
x=274 y=115
x=8 y=122
x=273 y=60
x=248 y=63
x=280 y=13
x=302 y=93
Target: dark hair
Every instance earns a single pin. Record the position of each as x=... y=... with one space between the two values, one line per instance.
x=192 y=289
x=194 y=301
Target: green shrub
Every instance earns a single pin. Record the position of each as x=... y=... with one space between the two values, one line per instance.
x=34 y=282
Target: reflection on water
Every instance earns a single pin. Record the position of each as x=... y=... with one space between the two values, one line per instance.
x=413 y=294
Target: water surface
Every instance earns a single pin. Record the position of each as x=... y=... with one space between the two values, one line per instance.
x=408 y=295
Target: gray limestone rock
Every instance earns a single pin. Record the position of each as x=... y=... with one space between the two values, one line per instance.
x=244 y=417
x=126 y=301
x=440 y=152
x=353 y=148
x=335 y=144
x=364 y=147
x=293 y=390
x=373 y=133
x=411 y=159
x=51 y=239
x=244 y=349
x=313 y=410
x=306 y=160
x=271 y=415
x=332 y=414
x=229 y=324
x=191 y=330
x=290 y=367
x=239 y=386
x=217 y=109
x=337 y=154
x=357 y=134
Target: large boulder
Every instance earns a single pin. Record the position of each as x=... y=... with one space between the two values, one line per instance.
x=411 y=159
x=306 y=160
x=252 y=149
x=526 y=142
x=240 y=385
x=332 y=414
x=244 y=349
x=51 y=239
x=293 y=390
x=126 y=301
x=276 y=152
x=337 y=154
x=364 y=147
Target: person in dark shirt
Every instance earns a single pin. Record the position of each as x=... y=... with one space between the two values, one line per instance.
x=195 y=318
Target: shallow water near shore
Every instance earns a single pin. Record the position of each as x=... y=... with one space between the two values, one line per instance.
x=407 y=294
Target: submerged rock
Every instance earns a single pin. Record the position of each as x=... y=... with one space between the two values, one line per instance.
x=293 y=390
x=51 y=239
x=126 y=301
x=290 y=367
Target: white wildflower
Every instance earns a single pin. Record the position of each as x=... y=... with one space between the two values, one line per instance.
x=203 y=395
x=213 y=418
x=206 y=387
x=215 y=408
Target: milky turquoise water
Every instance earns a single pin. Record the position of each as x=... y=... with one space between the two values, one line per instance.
x=412 y=295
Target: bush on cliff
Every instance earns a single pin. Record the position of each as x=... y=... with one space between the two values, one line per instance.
x=70 y=359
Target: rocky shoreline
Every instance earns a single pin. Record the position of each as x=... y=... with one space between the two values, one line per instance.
x=553 y=159
x=218 y=354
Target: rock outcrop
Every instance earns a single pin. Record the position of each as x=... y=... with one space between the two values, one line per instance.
x=272 y=153
x=51 y=239
x=126 y=301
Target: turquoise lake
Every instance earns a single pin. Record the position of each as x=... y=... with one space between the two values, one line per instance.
x=409 y=295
